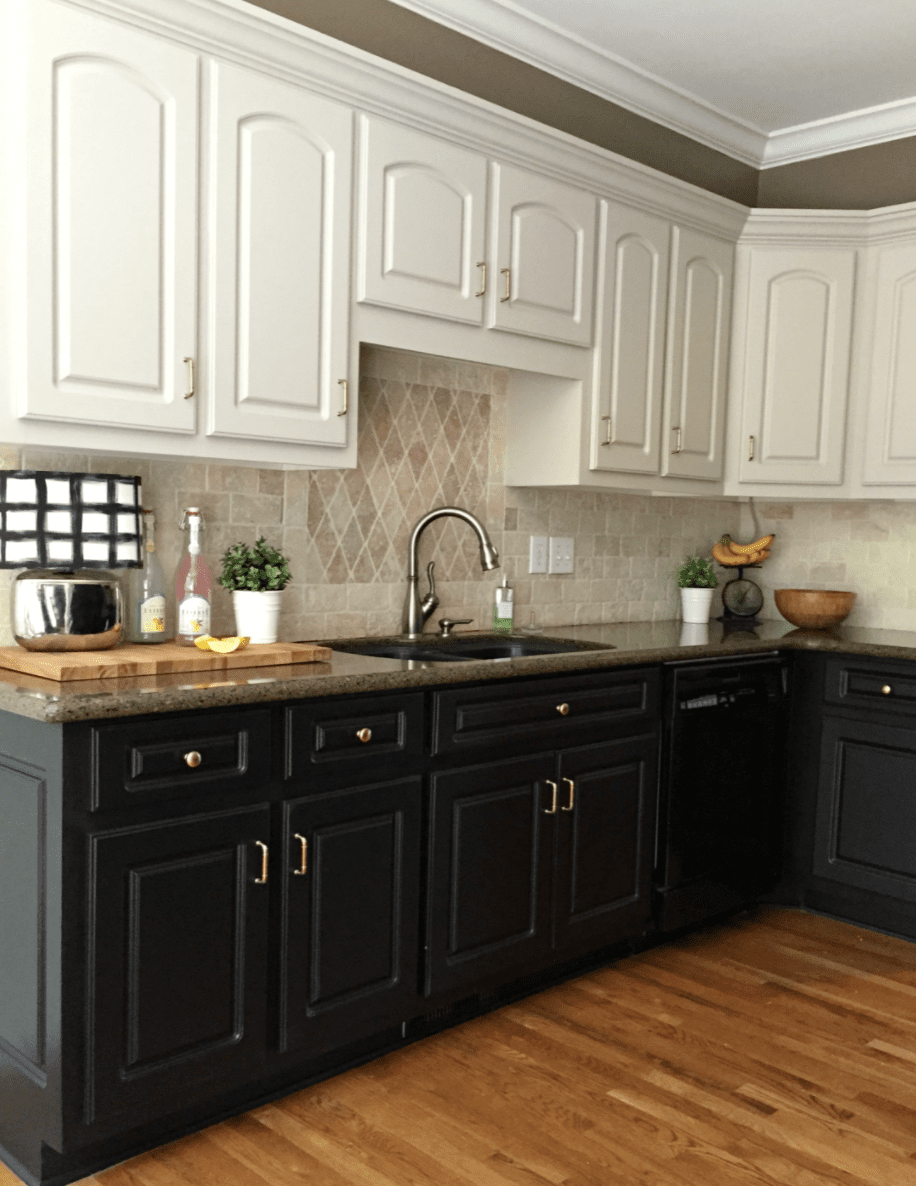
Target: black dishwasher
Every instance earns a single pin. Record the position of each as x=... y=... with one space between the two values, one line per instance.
x=719 y=838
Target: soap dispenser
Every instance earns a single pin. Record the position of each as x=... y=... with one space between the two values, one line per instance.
x=502 y=614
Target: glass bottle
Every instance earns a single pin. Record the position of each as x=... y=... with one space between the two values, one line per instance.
x=193 y=583
x=146 y=591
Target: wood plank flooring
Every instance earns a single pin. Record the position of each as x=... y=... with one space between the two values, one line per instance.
x=778 y=1048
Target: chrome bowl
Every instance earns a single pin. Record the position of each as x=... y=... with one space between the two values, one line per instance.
x=66 y=611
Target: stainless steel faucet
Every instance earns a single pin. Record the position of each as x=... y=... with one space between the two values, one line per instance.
x=417 y=612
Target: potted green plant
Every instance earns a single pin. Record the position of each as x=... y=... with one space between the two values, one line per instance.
x=696 y=578
x=256 y=577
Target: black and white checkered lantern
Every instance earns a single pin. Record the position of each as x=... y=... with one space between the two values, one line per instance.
x=68 y=527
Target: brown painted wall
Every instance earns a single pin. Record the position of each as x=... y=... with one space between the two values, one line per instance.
x=862 y=179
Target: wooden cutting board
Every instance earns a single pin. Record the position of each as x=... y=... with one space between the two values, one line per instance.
x=155 y=659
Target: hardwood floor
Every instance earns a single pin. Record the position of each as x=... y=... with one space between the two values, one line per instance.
x=779 y=1048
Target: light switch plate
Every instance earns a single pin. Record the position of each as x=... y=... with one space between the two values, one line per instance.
x=537 y=553
x=560 y=553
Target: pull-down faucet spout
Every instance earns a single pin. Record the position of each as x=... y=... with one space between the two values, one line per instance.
x=417 y=612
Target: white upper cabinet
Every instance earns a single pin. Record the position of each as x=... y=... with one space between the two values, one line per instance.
x=111 y=224
x=544 y=252
x=890 y=385
x=696 y=372
x=422 y=205
x=278 y=298
x=632 y=311
x=791 y=364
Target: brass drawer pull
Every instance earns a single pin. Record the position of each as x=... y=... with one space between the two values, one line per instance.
x=262 y=880
x=563 y=710
x=886 y=689
x=507 y=272
x=364 y=734
x=189 y=363
x=552 y=809
x=572 y=795
x=483 y=278
x=303 y=856
x=345 y=397
x=193 y=759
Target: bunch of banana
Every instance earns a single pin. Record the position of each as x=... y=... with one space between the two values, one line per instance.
x=731 y=555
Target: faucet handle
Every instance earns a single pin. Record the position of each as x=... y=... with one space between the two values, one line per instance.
x=446 y=624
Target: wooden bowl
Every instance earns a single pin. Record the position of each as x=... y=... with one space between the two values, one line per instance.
x=813 y=609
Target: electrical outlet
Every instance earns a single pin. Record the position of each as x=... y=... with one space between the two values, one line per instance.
x=560 y=553
x=537 y=553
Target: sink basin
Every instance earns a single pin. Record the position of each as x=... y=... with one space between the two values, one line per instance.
x=462 y=647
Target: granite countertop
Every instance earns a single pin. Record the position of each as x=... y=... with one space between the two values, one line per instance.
x=632 y=643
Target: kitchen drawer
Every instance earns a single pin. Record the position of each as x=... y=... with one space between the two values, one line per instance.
x=164 y=758
x=343 y=739
x=885 y=687
x=546 y=712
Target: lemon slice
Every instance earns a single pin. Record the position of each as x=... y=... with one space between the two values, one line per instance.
x=203 y=643
x=223 y=646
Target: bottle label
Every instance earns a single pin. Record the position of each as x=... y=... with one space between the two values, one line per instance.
x=502 y=618
x=194 y=616
x=152 y=615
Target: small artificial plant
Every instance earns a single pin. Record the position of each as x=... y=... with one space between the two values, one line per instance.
x=697 y=572
x=254 y=569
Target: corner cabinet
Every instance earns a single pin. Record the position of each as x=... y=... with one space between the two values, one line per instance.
x=130 y=142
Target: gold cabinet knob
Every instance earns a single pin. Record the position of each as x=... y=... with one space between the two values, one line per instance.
x=193 y=759
x=364 y=734
x=563 y=710
x=886 y=689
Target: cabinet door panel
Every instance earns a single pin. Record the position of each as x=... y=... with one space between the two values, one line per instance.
x=422 y=222
x=696 y=375
x=632 y=341
x=280 y=190
x=178 y=928
x=545 y=237
x=866 y=813
x=606 y=821
x=490 y=874
x=349 y=956
x=112 y=214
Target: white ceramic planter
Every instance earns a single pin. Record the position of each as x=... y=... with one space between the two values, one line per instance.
x=696 y=604
x=256 y=614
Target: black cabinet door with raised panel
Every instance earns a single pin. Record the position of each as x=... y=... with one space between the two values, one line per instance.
x=350 y=915
x=604 y=843
x=489 y=872
x=178 y=932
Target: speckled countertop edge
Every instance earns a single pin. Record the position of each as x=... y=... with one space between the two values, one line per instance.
x=634 y=644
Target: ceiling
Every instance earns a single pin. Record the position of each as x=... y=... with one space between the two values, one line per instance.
x=768 y=83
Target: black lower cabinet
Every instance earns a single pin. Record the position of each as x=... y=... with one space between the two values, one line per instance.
x=177 y=997
x=537 y=859
x=350 y=905
x=865 y=833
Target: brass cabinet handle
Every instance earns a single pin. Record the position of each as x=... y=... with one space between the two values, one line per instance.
x=193 y=758
x=563 y=710
x=607 y=435
x=886 y=689
x=483 y=278
x=364 y=734
x=750 y=448
x=552 y=809
x=572 y=795
x=189 y=394
x=345 y=405
x=507 y=272
x=262 y=880
x=303 y=856
x=677 y=447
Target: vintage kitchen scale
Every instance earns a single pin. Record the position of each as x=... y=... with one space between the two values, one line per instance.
x=742 y=599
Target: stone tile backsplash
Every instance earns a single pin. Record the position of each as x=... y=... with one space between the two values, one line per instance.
x=431 y=433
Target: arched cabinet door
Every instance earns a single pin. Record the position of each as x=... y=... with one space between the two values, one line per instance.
x=793 y=370
x=110 y=253
x=890 y=434
x=422 y=204
x=278 y=298
x=544 y=253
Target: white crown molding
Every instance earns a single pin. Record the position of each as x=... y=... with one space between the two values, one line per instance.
x=840 y=133
x=502 y=26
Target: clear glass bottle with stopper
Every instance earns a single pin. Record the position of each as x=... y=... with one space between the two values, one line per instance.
x=146 y=591
x=193 y=583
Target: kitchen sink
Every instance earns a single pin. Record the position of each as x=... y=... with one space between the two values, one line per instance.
x=462 y=648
